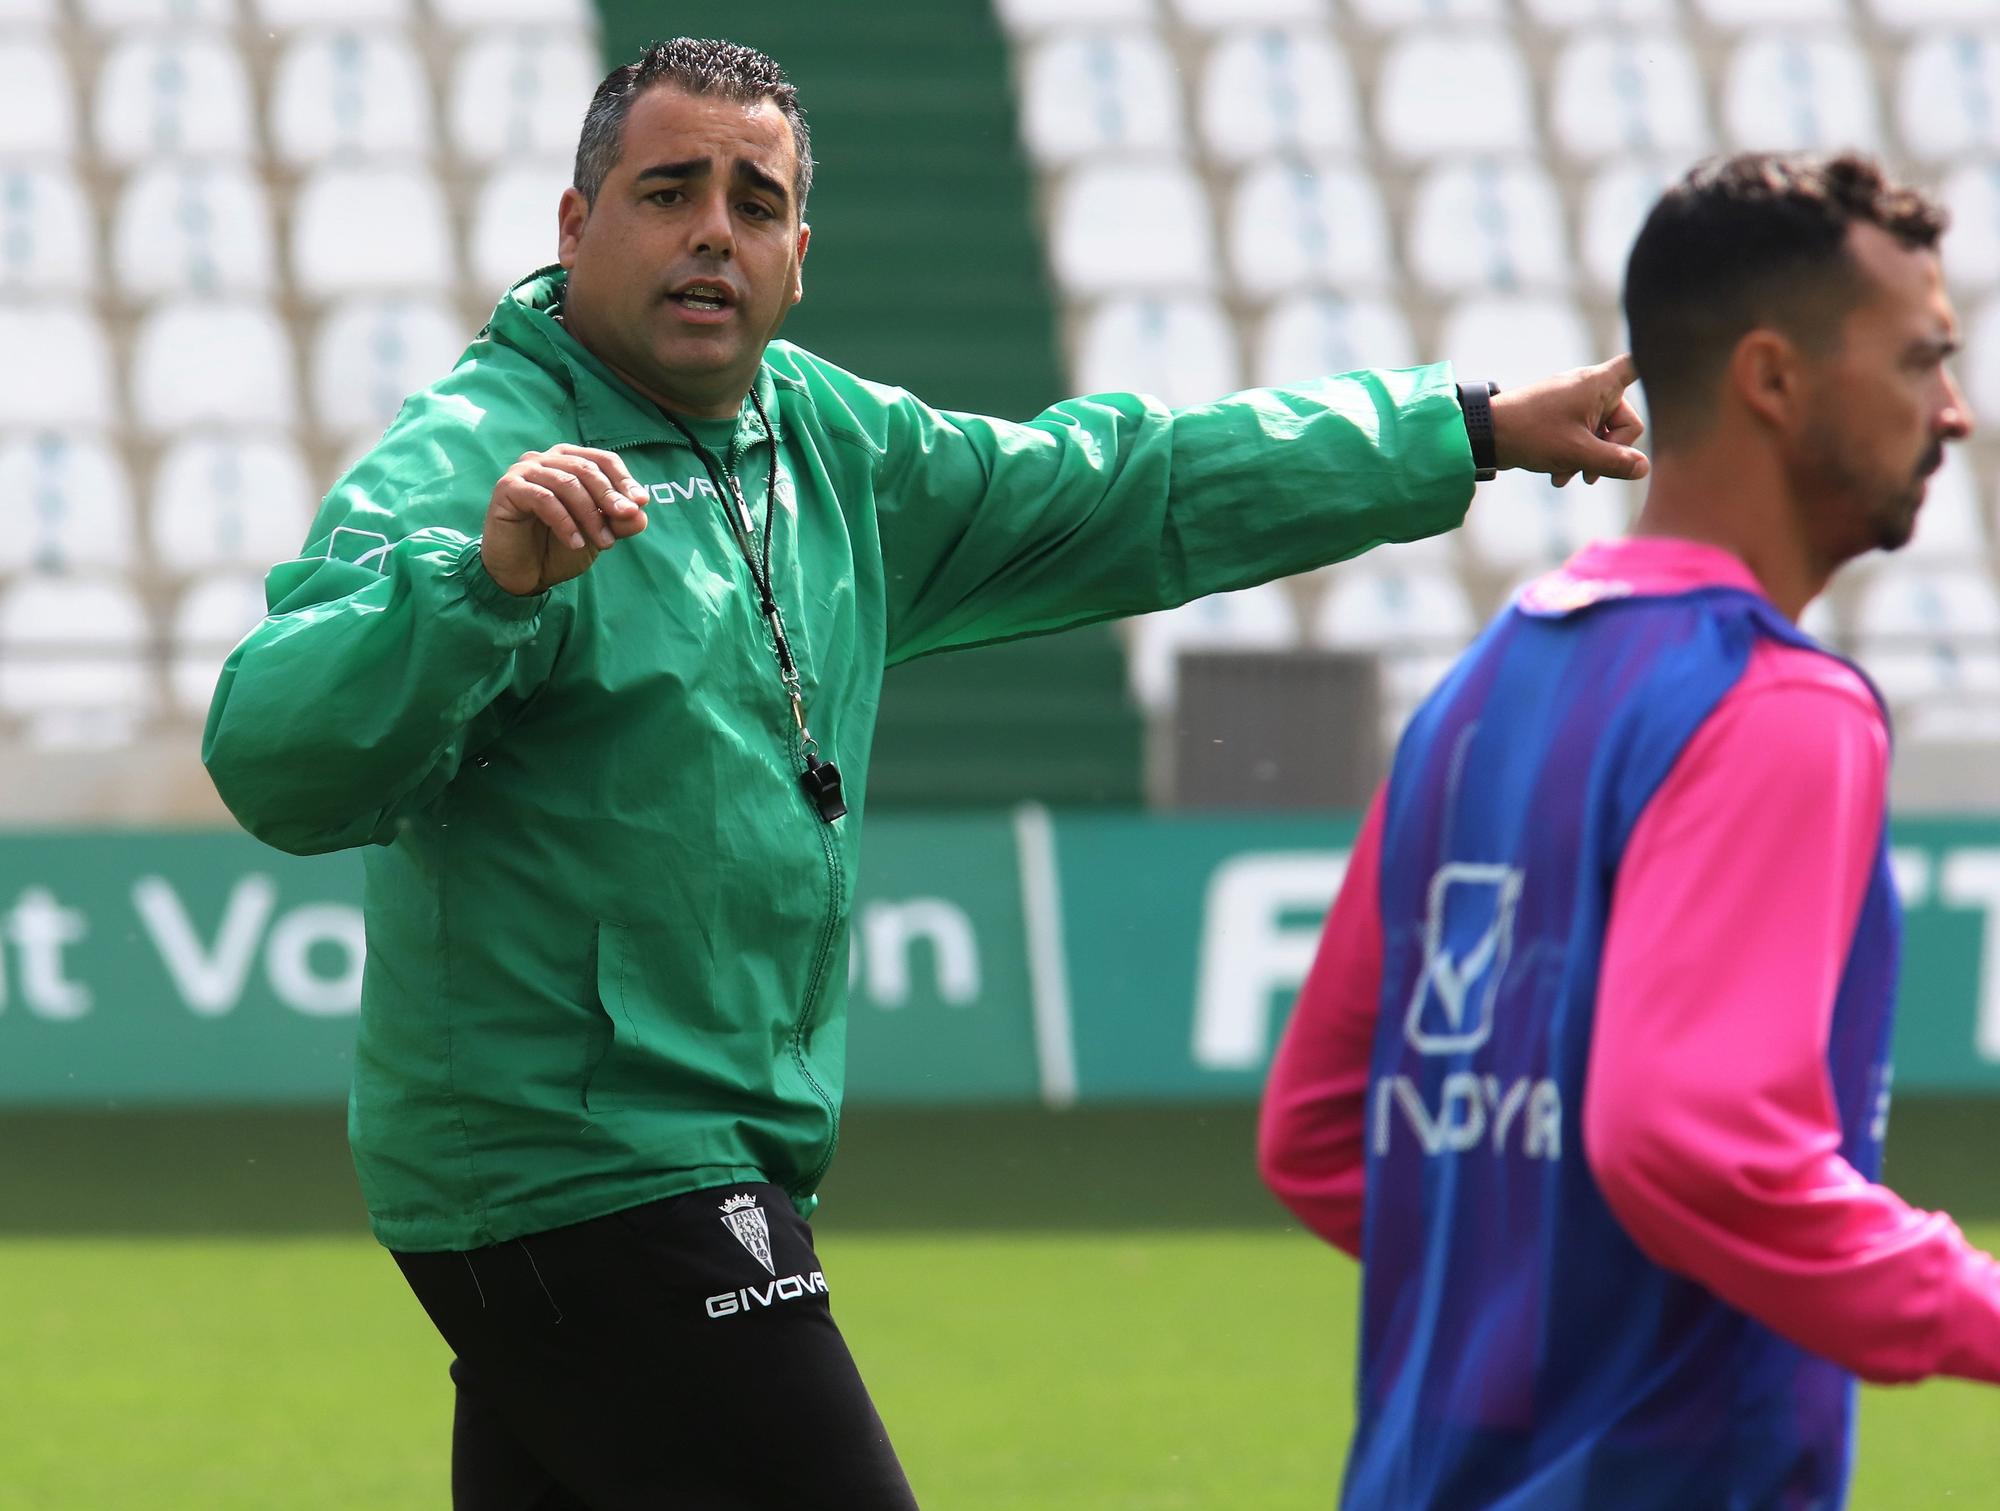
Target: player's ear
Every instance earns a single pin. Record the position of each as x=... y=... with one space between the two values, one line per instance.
x=1767 y=376
x=799 y=263
x=571 y=213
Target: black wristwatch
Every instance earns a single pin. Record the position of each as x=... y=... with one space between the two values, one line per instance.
x=1476 y=399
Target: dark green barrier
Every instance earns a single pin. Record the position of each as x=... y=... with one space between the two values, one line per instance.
x=994 y=959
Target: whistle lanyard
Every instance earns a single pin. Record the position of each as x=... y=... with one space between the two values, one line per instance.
x=821 y=779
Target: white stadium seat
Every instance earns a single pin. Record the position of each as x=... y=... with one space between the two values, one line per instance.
x=1514 y=340
x=1260 y=618
x=374 y=353
x=48 y=244
x=1972 y=247
x=193 y=228
x=160 y=15
x=1948 y=94
x=1981 y=363
x=229 y=500
x=1271 y=91
x=1757 y=12
x=73 y=660
x=1799 y=90
x=1026 y=16
x=1907 y=15
x=37 y=103
x=173 y=94
x=350 y=94
x=358 y=230
x=1181 y=350
x=1488 y=225
x=57 y=370
x=1561 y=13
x=212 y=362
x=1159 y=239
x=1099 y=92
x=1521 y=522
x=1418 y=13
x=211 y=618
x=68 y=502
x=28 y=13
x=514 y=224
x=1923 y=633
x=521 y=94
x=1229 y=15
x=1311 y=336
x=556 y=13
x=290 y=13
x=1437 y=92
x=1302 y=225
x=1949 y=529
x=1417 y=620
x=1622 y=93
x=1615 y=207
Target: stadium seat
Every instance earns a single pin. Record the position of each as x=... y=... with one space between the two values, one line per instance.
x=1909 y=14
x=1419 y=13
x=1615 y=206
x=1972 y=247
x=1027 y=16
x=1522 y=523
x=159 y=15
x=68 y=503
x=212 y=362
x=1948 y=94
x=73 y=661
x=514 y=224
x=1416 y=620
x=1260 y=618
x=57 y=372
x=1160 y=239
x=1514 y=340
x=1309 y=336
x=372 y=354
x=1785 y=90
x=173 y=94
x=48 y=244
x=37 y=107
x=1924 y=633
x=1981 y=363
x=193 y=228
x=24 y=13
x=561 y=14
x=229 y=501
x=208 y=622
x=1622 y=93
x=1487 y=225
x=1270 y=91
x=357 y=230
x=1300 y=225
x=1565 y=13
x=1949 y=529
x=1181 y=350
x=1431 y=84
x=1821 y=620
x=521 y=94
x=1099 y=92
x=1229 y=15
x=1758 y=12
x=349 y=94
x=290 y=13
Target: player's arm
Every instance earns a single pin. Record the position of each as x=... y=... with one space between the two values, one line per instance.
x=391 y=641
x=1310 y=1135
x=1114 y=504
x=1709 y=1118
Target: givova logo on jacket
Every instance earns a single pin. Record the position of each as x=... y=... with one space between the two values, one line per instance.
x=1468 y=941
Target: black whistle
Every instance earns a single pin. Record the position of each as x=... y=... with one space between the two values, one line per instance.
x=821 y=780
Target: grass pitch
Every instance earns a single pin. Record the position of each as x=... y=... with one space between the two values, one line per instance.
x=1048 y=1331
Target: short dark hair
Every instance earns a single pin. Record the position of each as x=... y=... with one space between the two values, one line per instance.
x=699 y=65
x=1757 y=239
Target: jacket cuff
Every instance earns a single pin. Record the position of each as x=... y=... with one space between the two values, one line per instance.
x=469 y=571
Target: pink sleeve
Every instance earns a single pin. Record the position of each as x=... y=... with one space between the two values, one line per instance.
x=1709 y=1118
x=1310 y=1136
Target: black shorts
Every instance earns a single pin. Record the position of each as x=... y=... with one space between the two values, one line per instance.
x=681 y=1354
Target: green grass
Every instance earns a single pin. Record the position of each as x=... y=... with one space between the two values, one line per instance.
x=1076 y=1371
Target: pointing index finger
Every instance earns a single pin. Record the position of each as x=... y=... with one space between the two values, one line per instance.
x=1620 y=370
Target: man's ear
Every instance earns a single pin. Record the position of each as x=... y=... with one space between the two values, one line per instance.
x=571 y=213
x=799 y=267
x=1767 y=375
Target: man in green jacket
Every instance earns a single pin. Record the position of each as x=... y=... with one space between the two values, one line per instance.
x=587 y=652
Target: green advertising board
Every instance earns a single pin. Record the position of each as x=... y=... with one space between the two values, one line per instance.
x=997 y=958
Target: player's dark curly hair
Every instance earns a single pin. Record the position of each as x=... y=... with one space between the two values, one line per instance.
x=699 y=65
x=1754 y=240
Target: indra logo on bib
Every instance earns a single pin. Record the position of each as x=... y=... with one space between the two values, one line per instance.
x=1468 y=938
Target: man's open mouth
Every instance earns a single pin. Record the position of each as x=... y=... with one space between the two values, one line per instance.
x=702 y=296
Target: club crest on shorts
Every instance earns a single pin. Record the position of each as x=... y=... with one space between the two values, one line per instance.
x=744 y=1218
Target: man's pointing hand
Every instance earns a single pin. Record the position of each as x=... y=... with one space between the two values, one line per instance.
x=1578 y=421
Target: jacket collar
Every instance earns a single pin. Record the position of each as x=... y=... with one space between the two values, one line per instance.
x=610 y=414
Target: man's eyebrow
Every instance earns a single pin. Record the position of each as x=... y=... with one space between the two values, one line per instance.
x=763 y=180
x=694 y=167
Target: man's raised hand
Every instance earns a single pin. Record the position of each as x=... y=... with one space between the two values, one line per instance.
x=1578 y=421
x=553 y=511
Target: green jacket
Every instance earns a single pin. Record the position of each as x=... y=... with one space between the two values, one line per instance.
x=607 y=931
